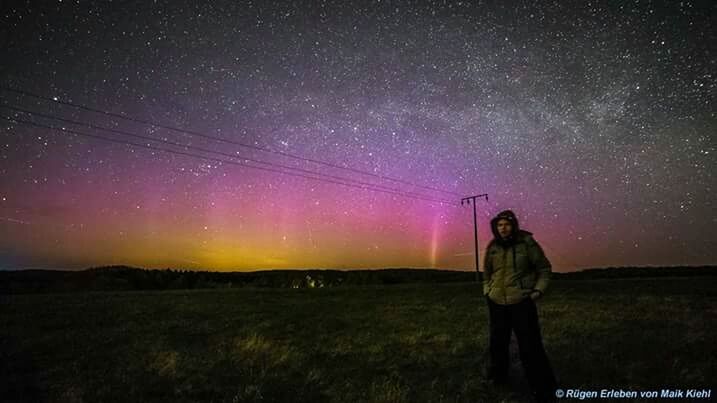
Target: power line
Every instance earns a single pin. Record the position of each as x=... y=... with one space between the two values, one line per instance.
x=125 y=133
x=472 y=200
x=371 y=187
x=194 y=133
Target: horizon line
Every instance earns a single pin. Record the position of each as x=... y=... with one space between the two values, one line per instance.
x=37 y=268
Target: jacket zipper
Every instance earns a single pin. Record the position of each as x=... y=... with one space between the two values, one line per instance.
x=505 y=271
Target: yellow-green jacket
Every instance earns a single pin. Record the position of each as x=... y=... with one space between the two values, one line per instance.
x=514 y=269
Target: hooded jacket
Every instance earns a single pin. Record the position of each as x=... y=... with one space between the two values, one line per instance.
x=513 y=267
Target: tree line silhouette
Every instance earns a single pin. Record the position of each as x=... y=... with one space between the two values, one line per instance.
x=124 y=278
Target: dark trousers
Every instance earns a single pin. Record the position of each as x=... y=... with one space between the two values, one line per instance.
x=522 y=318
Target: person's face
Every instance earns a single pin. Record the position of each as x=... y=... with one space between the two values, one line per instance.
x=504 y=228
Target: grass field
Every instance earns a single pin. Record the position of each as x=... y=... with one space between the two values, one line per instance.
x=398 y=343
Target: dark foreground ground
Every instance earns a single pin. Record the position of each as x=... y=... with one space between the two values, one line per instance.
x=397 y=343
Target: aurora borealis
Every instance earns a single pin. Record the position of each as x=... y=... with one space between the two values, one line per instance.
x=593 y=121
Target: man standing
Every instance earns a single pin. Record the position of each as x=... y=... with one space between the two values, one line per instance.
x=516 y=274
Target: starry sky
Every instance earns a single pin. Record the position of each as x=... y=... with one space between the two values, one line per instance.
x=593 y=121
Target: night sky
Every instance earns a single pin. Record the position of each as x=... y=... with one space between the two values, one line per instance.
x=593 y=121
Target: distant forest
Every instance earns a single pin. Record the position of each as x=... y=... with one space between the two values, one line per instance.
x=118 y=278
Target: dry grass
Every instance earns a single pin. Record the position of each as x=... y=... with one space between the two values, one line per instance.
x=402 y=343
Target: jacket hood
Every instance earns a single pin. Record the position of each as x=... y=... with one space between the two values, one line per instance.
x=515 y=234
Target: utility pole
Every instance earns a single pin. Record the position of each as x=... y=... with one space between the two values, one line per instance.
x=475 y=230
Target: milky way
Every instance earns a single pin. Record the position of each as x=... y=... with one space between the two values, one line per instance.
x=594 y=122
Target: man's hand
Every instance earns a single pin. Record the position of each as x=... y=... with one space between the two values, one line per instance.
x=535 y=295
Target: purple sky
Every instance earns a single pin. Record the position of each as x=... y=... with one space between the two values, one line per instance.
x=595 y=124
